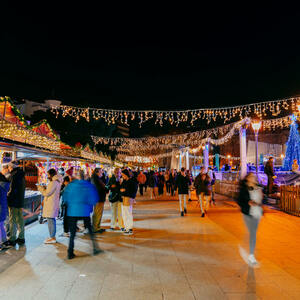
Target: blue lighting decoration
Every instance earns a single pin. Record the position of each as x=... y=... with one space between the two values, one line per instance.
x=292 y=146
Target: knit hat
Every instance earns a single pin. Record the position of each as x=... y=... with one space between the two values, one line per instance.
x=126 y=172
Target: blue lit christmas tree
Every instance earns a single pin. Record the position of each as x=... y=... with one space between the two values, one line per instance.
x=292 y=146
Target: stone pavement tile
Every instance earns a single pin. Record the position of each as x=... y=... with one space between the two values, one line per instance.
x=204 y=291
x=242 y=296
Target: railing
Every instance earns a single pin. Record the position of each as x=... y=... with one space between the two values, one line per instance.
x=290 y=199
x=227 y=188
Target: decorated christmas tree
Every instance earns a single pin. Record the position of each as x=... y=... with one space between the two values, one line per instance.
x=292 y=146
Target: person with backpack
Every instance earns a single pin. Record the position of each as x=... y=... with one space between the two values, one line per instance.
x=182 y=184
x=128 y=191
x=115 y=200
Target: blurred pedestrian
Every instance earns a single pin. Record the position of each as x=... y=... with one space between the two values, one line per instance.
x=80 y=196
x=141 y=178
x=51 y=203
x=250 y=201
x=152 y=183
x=160 y=183
x=202 y=184
x=182 y=184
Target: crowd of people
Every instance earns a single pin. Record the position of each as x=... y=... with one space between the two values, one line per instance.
x=74 y=196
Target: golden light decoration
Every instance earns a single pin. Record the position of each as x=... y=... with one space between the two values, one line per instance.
x=225 y=114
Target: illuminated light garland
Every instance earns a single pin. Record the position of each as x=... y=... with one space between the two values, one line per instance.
x=110 y=116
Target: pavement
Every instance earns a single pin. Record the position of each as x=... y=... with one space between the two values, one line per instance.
x=168 y=257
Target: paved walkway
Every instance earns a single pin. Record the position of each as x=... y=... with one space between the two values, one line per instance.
x=169 y=257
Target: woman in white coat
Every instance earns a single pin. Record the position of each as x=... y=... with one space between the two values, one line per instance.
x=51 y=203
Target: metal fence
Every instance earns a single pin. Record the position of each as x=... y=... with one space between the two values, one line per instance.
x=290 y=199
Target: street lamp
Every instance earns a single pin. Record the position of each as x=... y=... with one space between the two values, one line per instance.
x=256 y=124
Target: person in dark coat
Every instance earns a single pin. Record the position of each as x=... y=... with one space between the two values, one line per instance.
x=15 y=201
x=182 y=184
x=202 y=186
x=172 y=180
x=4 y=187
x=80 y=196
x=115 y=200
x=152 y=183
x=128 y=190
x=160 y=183
x=250 y=202
x=99 y=207
x=269 y=171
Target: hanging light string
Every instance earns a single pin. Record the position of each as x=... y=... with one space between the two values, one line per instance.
x=154 y=146
x=175 y=117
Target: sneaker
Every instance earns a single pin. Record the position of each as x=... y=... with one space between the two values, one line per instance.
x=10 y=243
x=97 y=251
x=252 y=260
x=123 y=229
x=203 y=215
x=71 y=256
x=50 y=241
x=182 y=214
x=128 y=232
x=66 y=234
x=185 y=211
x=20 y=241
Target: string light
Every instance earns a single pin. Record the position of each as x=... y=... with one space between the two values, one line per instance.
x=225 y=114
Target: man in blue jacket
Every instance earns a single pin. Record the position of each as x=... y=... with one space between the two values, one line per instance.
x=80 y=196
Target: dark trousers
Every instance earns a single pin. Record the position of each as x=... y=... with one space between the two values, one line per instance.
x=172 y=189
x=141 y=189
x=160 y=189
x=168 y=187
x=146 y=187
x=270 y=185
x=72 y=223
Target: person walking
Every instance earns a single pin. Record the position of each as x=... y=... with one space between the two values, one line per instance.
x=128 y=191
x=250 y=201
x=212 y=177
x=202 y=183
x=15 y=201
x=115 y=200
x=65 y=183
x=80 y=196
x=152 y=183
x=161 y=183
x=269 y=171
x=167 y=181
x=99 y=207
x=190 y=177
x=51 y=203
x=4 y=187
x=141 y=178
x=182 y=184
x=172 y=181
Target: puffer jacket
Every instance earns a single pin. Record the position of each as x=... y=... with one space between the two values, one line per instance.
x=182 y=183
x=4 y=187
x=115 y=194
x=80 y=196
x=16 y=193
x=202 y=185
x=51 y=197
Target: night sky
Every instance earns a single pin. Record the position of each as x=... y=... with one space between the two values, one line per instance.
x=153 y=59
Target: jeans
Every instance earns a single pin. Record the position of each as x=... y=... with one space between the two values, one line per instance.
x=2 y=233
x=252 y=224
x=97 y=216
x=52 y=227
x=127 y=214
x=182 y=197
x=16 y=222
x=72 y=222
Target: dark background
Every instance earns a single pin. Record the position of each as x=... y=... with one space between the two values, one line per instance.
x=151 y=57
